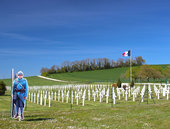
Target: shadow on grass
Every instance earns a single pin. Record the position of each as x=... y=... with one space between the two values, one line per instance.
x=38 y=119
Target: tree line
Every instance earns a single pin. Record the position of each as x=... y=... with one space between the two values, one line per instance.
x=91 y=64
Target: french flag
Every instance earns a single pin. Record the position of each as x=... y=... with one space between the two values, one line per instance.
x=127 y=53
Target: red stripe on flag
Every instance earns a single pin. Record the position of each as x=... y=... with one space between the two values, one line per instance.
x=123 y=54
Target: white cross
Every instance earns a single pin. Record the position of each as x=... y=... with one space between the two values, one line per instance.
x=49 y=100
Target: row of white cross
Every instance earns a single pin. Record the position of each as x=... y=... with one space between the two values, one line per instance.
x=88 y=92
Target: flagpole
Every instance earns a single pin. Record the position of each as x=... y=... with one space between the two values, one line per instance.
x=130 y=65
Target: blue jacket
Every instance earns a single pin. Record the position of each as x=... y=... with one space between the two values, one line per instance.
x=19 y=84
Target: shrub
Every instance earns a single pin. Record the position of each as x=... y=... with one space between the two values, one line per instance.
x=132 y=84
x=119 y=83
x=45 y=74
x=2 y=88
x=114 y=85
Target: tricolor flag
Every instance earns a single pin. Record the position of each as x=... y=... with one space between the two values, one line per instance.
x=126 y=53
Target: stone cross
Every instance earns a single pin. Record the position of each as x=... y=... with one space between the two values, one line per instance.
x=29 y=96
x=158 y=93
x=34 y=97
x=118 y=94
x=45 y=99
x=126 y=93
x=123 y=91
x=58 y=95
x=142 y=94
x=133 y=96
x=77 y=98
x=89 y=95
x=97 y=92
x=55 y=96
x=167 y=94
x=114 y=98
x=164 y=91
x=94 y=95
x=107 y=96
x=41 y=99
x=83 y=98
x=100 y=94
x=38 y=98
x=129 y=91
x=62 y=95
x=46 y=93
x=52 y=95
x=67 y=96
x=49 y=100
x=71 y=97
x=43 y=93
x=150 y=93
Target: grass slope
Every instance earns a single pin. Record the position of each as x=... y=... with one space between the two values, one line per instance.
x=35 y=81
x=97 y=75
x=124 y=115
x=110 y=75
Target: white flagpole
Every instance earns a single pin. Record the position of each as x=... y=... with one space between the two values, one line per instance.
x=130 y=66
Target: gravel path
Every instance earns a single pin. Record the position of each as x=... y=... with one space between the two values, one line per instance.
x=56 y=80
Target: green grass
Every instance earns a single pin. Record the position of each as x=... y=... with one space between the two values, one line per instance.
x=124 y=115
x=107 y=75
x=93 y=76
x=35 y=81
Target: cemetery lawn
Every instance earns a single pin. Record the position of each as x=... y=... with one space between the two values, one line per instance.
x=123 y=115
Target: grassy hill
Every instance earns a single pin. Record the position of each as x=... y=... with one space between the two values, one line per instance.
x=92 y=76
x=106 y=75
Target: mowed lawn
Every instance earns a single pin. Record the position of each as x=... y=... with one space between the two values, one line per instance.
x=93 y=76
x=123 y=115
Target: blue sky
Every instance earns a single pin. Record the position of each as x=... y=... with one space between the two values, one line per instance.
x=41 y=33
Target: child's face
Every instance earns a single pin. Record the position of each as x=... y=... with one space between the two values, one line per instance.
x=20 y=76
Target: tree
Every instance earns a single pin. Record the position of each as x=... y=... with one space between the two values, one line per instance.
x=106 y=63
x=166 y=72
x=147 y=72
x=120 y=62
x=139 y=60
x=132 y=84
x=44 y=70
x=53 y=69
x=135 y=73
x=45 y=74
x=91 y=64
x=119 y=83
x=2 y=88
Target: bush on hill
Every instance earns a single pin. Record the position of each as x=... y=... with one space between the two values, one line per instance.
x=2 y=88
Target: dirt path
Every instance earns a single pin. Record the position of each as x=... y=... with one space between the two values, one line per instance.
x=56 y=80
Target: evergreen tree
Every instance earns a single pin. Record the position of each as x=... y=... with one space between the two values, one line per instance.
x=119 y=83
x=2 y=88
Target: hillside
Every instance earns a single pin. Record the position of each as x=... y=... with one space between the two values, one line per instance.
x=105 y=75
x=92 y=76
x=35 y=81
